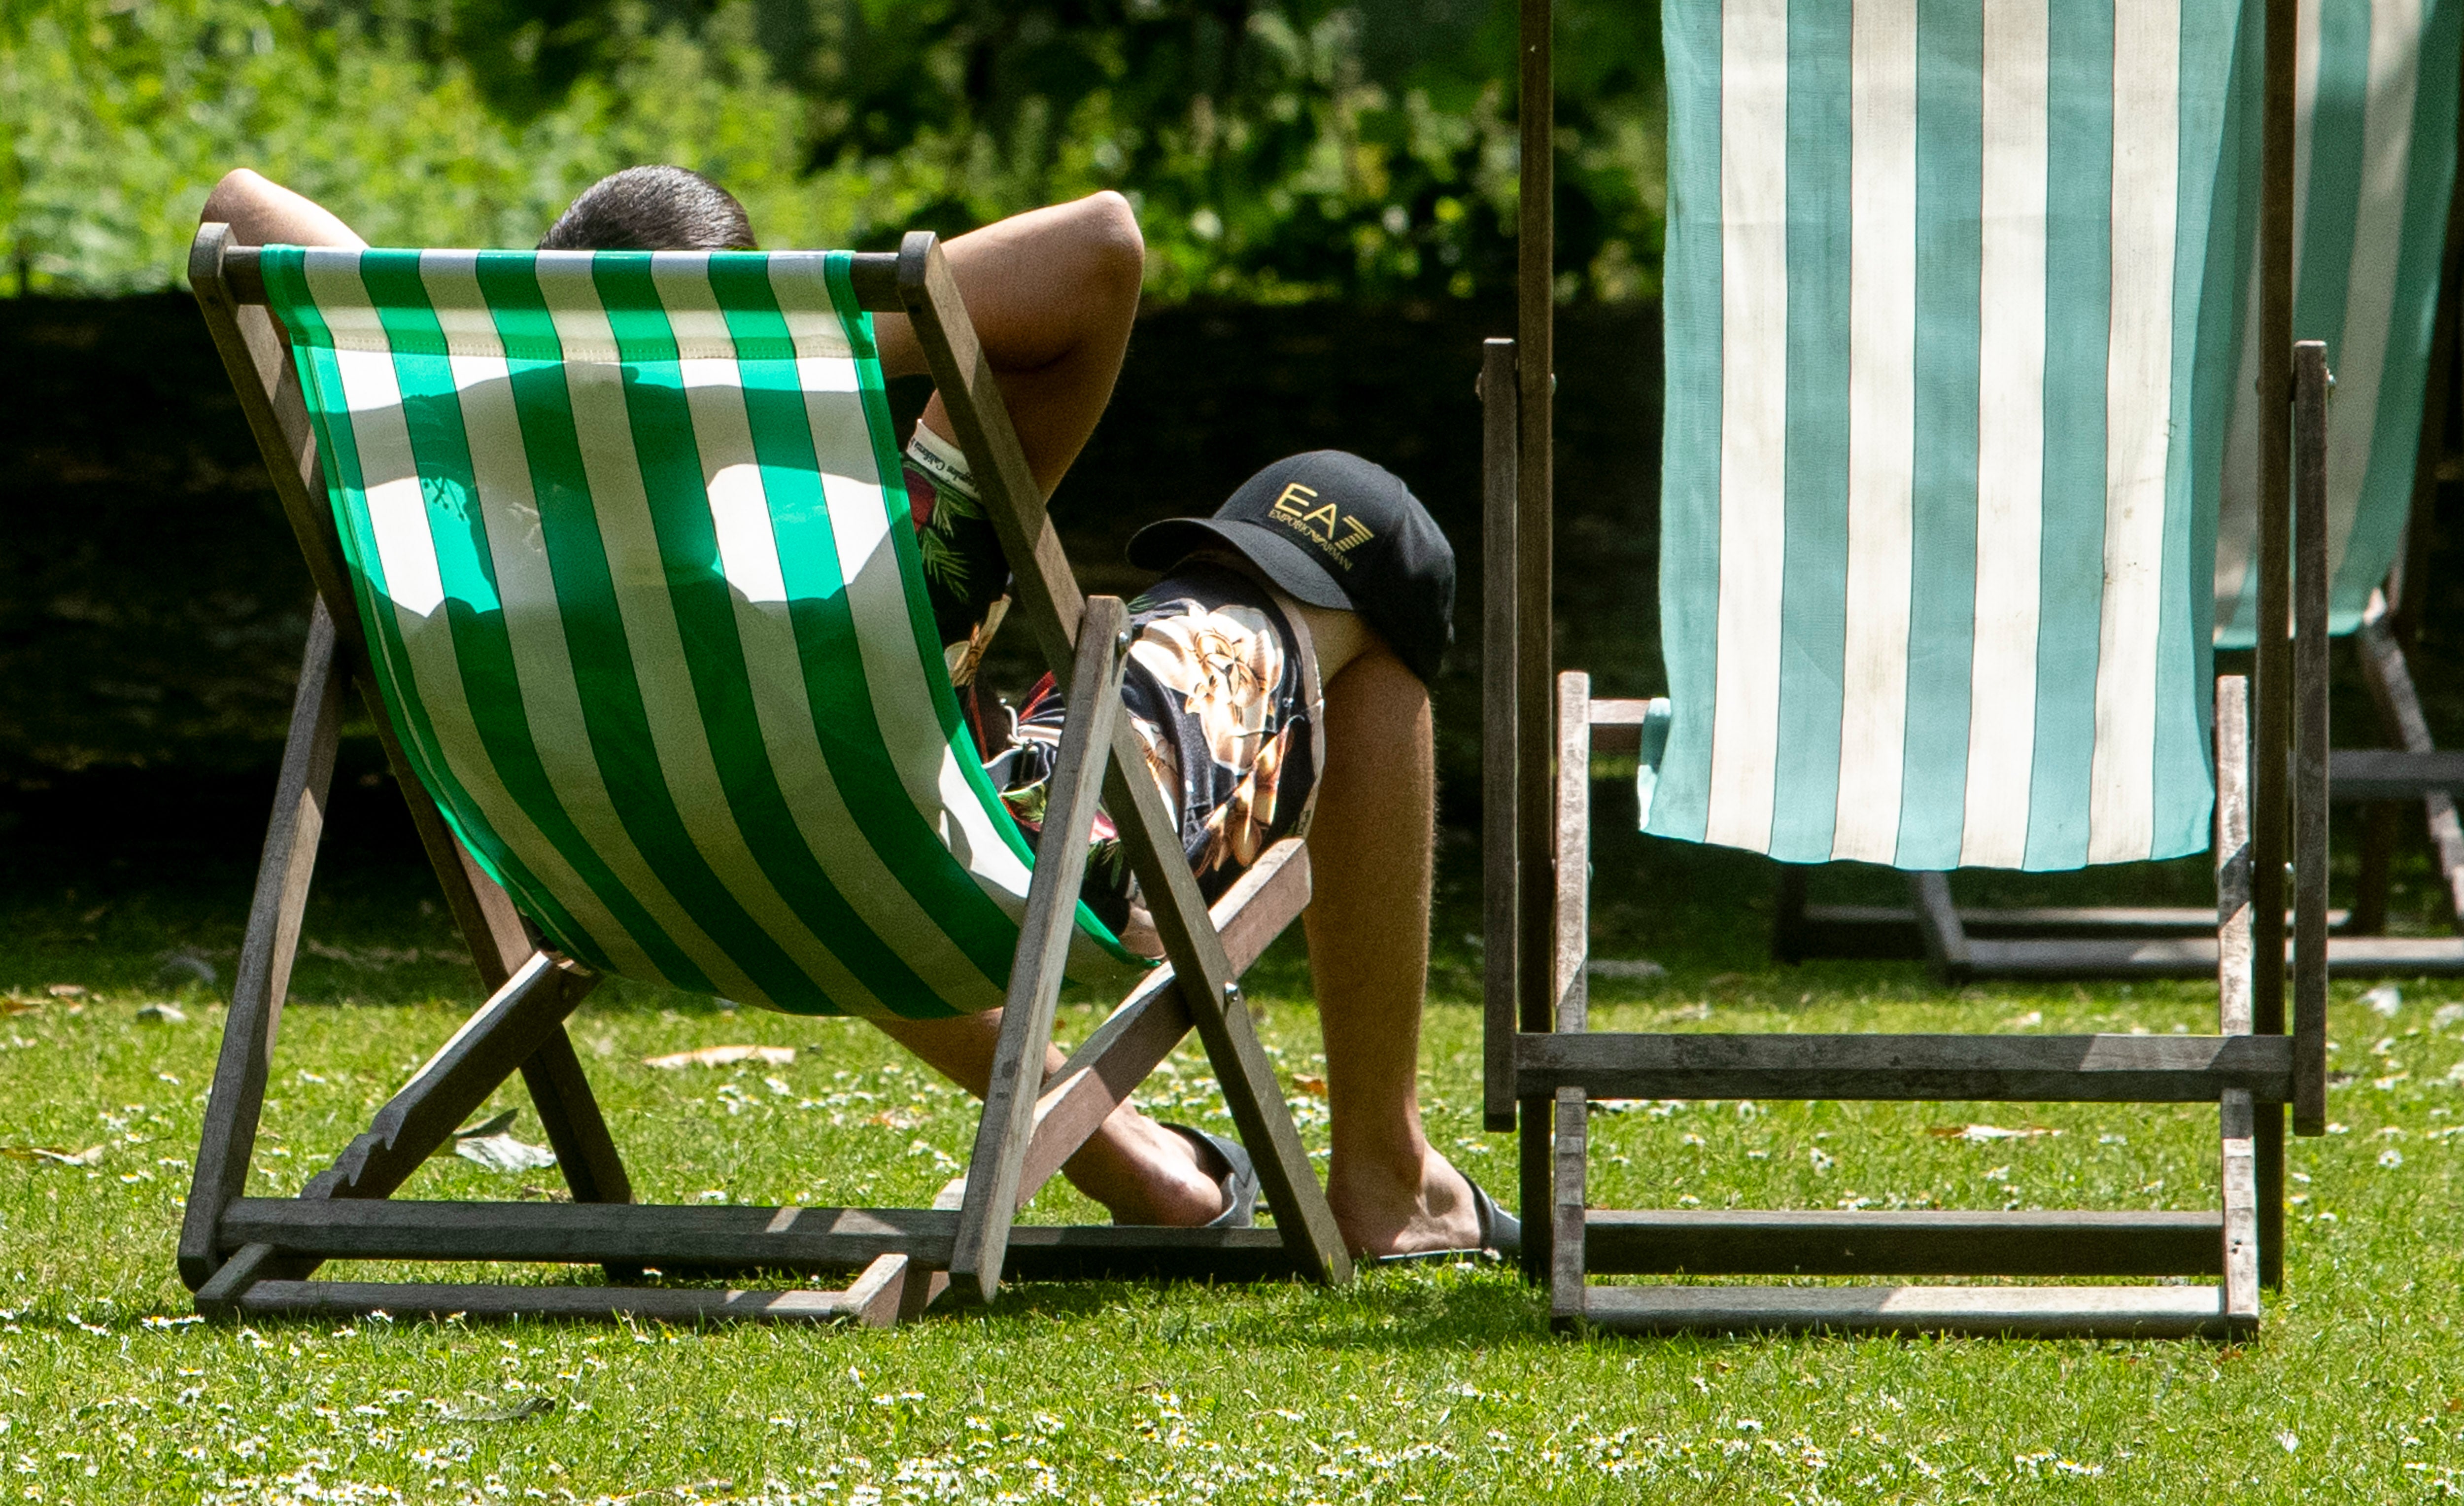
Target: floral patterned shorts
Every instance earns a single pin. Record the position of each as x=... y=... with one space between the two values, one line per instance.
x=1222 y=688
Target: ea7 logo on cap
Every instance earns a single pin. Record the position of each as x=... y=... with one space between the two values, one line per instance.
x=1337 y=533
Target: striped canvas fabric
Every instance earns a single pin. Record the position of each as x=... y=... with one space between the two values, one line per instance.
x=632 y=552
x=2375 y=164
x=1937 y=471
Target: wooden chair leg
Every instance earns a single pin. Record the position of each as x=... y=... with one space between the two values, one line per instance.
x=1945 y=937
x=228 y=1139
x=2389 y=678
x=1007 y=1124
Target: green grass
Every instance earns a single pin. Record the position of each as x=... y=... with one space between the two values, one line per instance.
x=1433 y=1384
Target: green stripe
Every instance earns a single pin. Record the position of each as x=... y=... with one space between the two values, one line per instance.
x=2207 y=253
x=2387 y=488
x=1942 y=608
x=1689 y=482
x=1813 y=592
x=850 y=734
x=603 y=667
x=925 y=632
x=2333 y=196
x=706 y=617
x=482 y=650
x=288 y=290
x=2079 y=265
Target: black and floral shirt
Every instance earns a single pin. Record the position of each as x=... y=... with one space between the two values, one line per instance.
x=1215 y=688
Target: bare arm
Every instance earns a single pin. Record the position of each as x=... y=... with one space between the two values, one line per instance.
x=263 y=213
x=1052 y=294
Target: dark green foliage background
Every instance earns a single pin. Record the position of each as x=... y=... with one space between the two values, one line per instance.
x=1277 y=151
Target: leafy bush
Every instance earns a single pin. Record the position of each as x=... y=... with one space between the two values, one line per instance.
x=1277 y=149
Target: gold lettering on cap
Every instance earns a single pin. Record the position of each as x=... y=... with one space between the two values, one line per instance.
x=1288 y=506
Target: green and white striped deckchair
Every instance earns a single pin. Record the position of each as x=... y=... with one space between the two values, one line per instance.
x=2375 y=164
x=1946 y=393
x=616 y=545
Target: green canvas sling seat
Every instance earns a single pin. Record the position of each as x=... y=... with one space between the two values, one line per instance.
x=1948 y=382
x=628 y=535
x=615 y=548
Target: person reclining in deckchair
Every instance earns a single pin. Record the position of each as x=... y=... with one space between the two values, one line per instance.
x=1321 y=569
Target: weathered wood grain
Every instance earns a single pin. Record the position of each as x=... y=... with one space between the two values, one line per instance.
x=2039 y=1069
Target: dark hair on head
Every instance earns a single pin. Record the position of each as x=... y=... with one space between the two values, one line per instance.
x=653 y=209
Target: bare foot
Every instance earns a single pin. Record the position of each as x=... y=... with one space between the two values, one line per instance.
x=1147 y=1174
x=1383 y=1214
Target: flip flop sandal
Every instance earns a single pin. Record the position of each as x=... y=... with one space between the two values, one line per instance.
x=1238 y=1175
x=1501 y=1234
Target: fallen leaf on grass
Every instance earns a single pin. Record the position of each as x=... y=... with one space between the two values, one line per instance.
x=65 y=990
x=1980 y=1134
x=1314 y=1087
x=163 y=1014
x=10 y=1007
x=502 y=1153
x=527 y=1407
x=488 y=1144
x=723 y=1056
x=91 y=1156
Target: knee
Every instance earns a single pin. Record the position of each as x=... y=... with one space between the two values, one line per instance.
x=1115 y=252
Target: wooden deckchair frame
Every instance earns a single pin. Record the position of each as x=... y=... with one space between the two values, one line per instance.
x=2113 y=941
x=1543 y=1065
x=257 y=1255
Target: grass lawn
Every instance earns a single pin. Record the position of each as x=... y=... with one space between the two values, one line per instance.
x=1420 y=1385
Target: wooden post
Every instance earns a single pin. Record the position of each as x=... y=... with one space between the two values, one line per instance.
x=1570 y=990
x=1500 y=735
x=2310 y=792
x=2239 y=1156
x=2271 y=687
x=1008 y=1120
x=1535 y=656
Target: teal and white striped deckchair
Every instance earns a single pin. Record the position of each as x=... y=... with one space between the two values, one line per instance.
x=2374 y=165
x=2375 y=144
x=618 y=545
x=1946 y=392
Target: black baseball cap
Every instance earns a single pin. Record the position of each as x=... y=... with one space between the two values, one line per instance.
x=1336 y=531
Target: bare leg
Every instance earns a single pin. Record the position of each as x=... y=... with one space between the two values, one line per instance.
x=1142 y=1172
x=1373 y=848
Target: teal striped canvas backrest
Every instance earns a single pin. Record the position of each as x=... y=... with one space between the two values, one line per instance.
x=2374 y=165
x=1943 y=423
x=632 y=552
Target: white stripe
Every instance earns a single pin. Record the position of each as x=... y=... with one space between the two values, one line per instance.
x=2010 y=435
x=877 y=599
x=2361 y=362
x=774 y=665
x=433 y=674
x=1882 y=427
x=535 y=626
x=1753 y=418
x=2138 y=422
